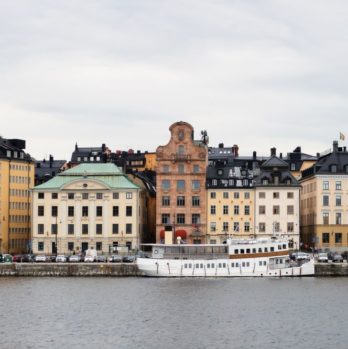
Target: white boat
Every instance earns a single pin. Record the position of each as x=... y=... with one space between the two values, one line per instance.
x=236 y=258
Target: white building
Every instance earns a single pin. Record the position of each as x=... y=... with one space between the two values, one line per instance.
x=89 y=206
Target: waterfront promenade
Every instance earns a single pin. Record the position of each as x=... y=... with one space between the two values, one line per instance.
x=119 y=269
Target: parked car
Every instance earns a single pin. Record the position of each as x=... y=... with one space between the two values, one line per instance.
x=51 y=258
x=28 y=258
x=337 y=258
x=301 y=256
x=115 y=259
x=128 y=259
x=323 y=257
x=89 y=259
x=41 y=258
x=75 y=258
x=101 y=259
x=17 y=258
x=6 y=258
x=61 y=259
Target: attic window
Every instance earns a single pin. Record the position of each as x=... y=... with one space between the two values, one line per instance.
x=220 y=172
x=265 y=181
x=293 y=167
x=333 y=168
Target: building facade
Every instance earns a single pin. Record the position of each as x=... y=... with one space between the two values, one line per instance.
x=324 y=202
x=89 y=206
x=16 y=180
x=181 y=193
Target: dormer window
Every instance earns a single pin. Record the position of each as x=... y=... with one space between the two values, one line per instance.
x=333 y=168
x=220 y=172
x=293 y=167
x=265 y=181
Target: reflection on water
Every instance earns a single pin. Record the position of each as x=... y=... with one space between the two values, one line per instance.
x=173 y=313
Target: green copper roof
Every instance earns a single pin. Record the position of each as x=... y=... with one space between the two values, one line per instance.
x=108 y=174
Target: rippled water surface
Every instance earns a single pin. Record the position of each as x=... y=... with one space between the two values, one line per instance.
x=173 y=313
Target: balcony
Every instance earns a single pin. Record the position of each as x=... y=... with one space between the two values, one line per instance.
x=181 y=157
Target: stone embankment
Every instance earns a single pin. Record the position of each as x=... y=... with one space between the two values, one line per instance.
x=331 y=269
x=69 y=269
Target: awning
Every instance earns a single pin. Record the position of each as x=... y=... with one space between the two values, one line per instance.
x=162 y=234
x=181 y=232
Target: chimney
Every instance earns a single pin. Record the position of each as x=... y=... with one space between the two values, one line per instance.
x=76 y=147
x=235 y=149
x=103 y=147
x=281 y=155
x=254 y=155
x=273 y=151
x=51 y=160
x=335 y=146
x=221 y=145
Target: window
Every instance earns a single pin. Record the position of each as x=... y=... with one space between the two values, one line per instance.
x=338 y=218
x=180 y=201
x=129 y=228
x=236 y=209
x=338 y=185
x=325 y=200
x=196 y=218
x=235 y=226
x=338 y=238
x=325 y=185
x=290 y=210
x=54 y=196
x=276 y=227
x=212 y=226
x=180 y=184
x=275 y=195
x=41 y=211
x=99 y=211
x=84 y=228
x=129 y=211
x=213 y=195
x=225 y=195
x=325 y=218
x=262 y=195
x=165 y=184
x=326 y=238
x=41 y=195
x=115 y=196
x=246 y=227
x=98 y=245
x=54 y=211
x=262 y=209
x=225 y=226
x=165 y=169
x=99 y=196
x=195 y=201
x=70 y=246
x=129 y=195
x=165 y=218
x=247 y=210
x=293 y=167
x=246 y=195
x=71 y=210
x=40 y=246
x=71 y=196
x=181 y=149
x=236 y=195
x=84 y=211
x=54 y=228
x=180 y=218
x=99 y=228
x=225 y=209
x=84 y=196
x=40 y=228
x=212 y=209
x=196 y=184
x=276 y=209
x=338 y=200
x=262 y=227
x=115 y=211
x=333 y=168
x=195 y=168
x=181 y=168
x=71 y=229
x=290 y=195
x=165 y=200
x=290 y=227
x=115 y=228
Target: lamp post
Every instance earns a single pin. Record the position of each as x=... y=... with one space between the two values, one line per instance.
x=56 y=235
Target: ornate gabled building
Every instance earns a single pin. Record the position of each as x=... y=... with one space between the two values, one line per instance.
x=16 y=180
x=277 y=195
x=324 y=201
x=181 y=192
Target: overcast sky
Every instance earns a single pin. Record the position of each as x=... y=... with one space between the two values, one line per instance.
x=254 y=73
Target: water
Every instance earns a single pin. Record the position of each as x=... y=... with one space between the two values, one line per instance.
x=173 y=313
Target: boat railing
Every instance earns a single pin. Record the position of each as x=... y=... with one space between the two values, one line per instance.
x=195 y=256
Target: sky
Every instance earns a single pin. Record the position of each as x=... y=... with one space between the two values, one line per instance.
x=255 y=73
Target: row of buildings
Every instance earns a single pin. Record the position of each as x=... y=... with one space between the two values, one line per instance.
x=185 y=191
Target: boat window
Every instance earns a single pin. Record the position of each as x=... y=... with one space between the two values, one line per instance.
x=185 y=265
x=272 y=249
x=248 y=250
x=279 y=247
x=197 y=265
x=237 y=265
x=266 y=249
x=232 y=265
x=208 y=265
x=260 y=263
x=243 y=264
x=190 y=265
x=236 y=251
x=281 y=261
x=284 y=246
x=264 y=263
x=242 y=250
x=277 y=261
x=212 y=265
x=224 y=265
x=219 y=265
x=201 y=265
x=248 y=264
x=260 y=249
x=254 y=250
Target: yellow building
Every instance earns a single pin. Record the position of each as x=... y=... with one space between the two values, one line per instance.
x=324 y=204
x=16 y=179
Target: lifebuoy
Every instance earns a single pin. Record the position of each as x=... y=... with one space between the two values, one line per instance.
x=155 y=251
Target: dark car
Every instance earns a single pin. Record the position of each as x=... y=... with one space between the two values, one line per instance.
x=101 y=259
x=337 y=258
x=128 y=259
x=17 y=258
x=28 y=258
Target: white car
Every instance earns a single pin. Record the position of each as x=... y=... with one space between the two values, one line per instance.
x=75 y=258
x=41 y=258
x=302 y=256
x=323 y=257
x=89 y=259
x=61 y=259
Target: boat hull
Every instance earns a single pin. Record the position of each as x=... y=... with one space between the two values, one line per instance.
x=218 y=268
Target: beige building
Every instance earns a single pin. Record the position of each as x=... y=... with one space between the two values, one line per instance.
x=16 y=180
x=91 y=206
x=181 y=193
x=324 y=203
